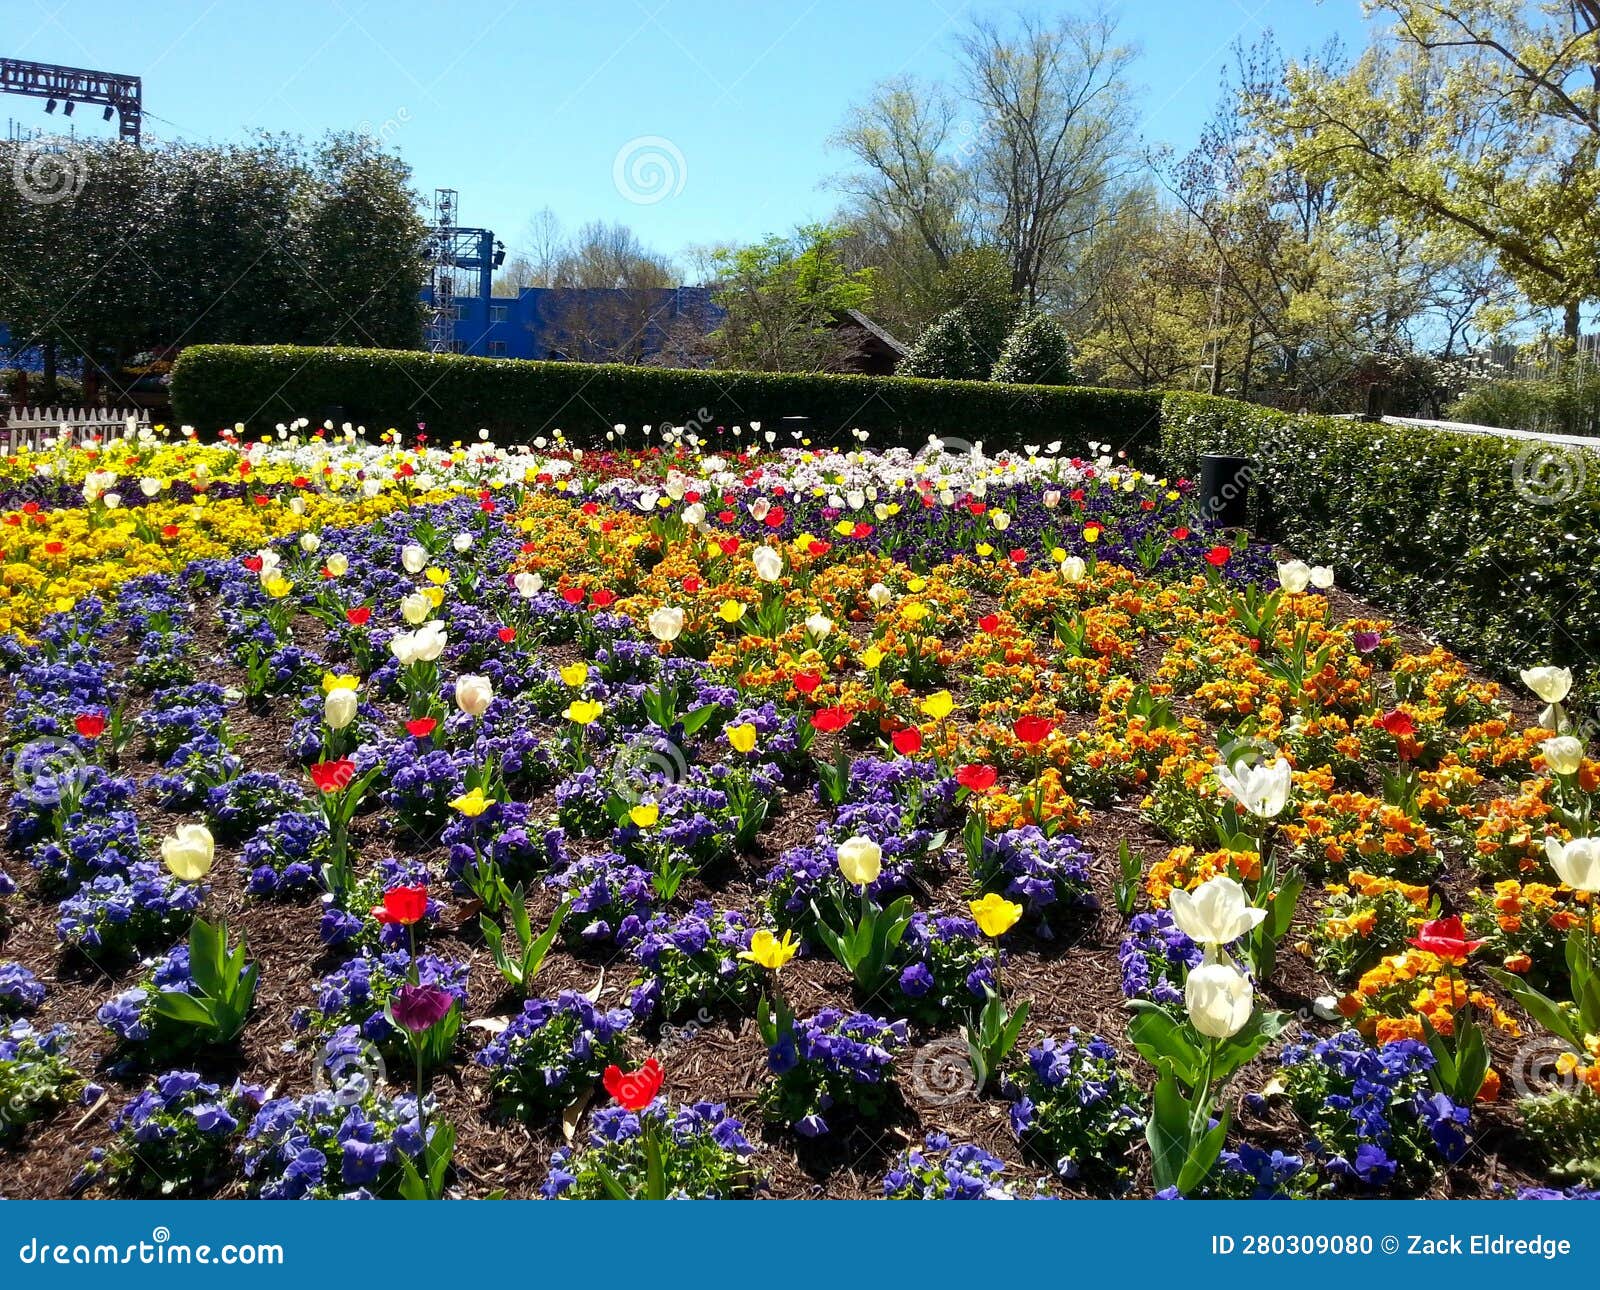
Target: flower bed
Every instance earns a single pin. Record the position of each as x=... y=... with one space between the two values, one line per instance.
x=406 y=821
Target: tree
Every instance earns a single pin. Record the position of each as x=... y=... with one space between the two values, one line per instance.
x=977 y=311
x=1476 y=118
x=155 y=248
x=1036 y=353
x=781 y=297
x=1026 y=152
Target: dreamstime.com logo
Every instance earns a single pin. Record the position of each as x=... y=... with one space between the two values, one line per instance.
x=160 y=1250
x=48 y=171
x=649 y=169
x=1549 y=474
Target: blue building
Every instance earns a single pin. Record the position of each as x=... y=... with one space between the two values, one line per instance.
x=587 y=325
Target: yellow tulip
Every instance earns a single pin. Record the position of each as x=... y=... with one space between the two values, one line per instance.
x=436 y=575
x=871 y=657
x=995 y=915
x=767 y=951
x=984 y=549
x=332 y=682
x=472 y=804
x=915 y=612
x=730 y=611
x=741 y=738
x=277 y=586
x=584 y=711
x=645 y=815
x=938 y=705
x=575 y=674
x=916 y=585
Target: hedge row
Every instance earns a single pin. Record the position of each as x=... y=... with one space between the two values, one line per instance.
x=218 y=385
x=1489 y=544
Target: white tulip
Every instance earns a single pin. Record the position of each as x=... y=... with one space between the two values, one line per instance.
x=1552 y=684
x=339 y=707
x=474 y=694
x=819 y=625
x=1073 y=569
x=413 y=558
x=879 y=595
x=1217 y=912
x=860 y=860
x=1263 y=790
x=768 y=563
x=1294 y=576
x=1051 y=498
x=666 y=623
x=528 y=584
x=430 y=641
x=310 y=543
x=760 y=508
x=338 y=564
x=415 y=608
x=189 y=852
x=1321 y=577
x=1218 y=999
x=694 y=515
x=1001 y=520
x=1577 y=863
x=1563 y=754
x=462 y=542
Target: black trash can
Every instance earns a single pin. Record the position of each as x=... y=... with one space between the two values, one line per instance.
x=1225 y=490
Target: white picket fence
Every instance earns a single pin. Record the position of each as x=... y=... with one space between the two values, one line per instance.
x=30 y=427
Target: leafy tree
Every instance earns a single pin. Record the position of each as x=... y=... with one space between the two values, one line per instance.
x=1474 y=118
x=781 y=297
x=977 y=312
x=1036 y=353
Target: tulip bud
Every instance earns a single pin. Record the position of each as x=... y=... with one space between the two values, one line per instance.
x=188 y=853
x=860 y=860
x=1218 y=999
x=474 y=694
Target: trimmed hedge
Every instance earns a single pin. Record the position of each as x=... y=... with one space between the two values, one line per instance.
x=218 y=385
x=1489 y=544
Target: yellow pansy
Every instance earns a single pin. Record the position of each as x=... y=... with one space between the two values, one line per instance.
x=994 y=914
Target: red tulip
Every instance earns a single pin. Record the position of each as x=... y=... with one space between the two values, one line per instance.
x=421 y=727
x=602 y=598
x=252 y=563
x=1032 y=730
x=358 y=616
x=1218 y=556
x=402 y=906
x=806 y=682
x=332 y=776
x=91 y=725
x=831 y=720
x=691 y=585
x=976 y=777
x=1180 y=533
x=507 y=635
x=907 y=742
x=634 y=1090
x=1397 y=723
x=1446 y=937
x=989 y=622
x=572 y=595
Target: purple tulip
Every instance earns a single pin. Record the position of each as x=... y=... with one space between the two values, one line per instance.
x=420 y=1007
x=1366 y=642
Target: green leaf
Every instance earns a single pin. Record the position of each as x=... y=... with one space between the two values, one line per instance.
x=178 y=1006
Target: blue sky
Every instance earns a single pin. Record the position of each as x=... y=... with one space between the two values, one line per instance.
x=521 y=105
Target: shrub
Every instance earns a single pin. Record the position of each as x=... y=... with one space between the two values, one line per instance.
x=1483 y=542
x=1567 y=402
x=1037 y=352
x=454 y=395
x=1564 y=1126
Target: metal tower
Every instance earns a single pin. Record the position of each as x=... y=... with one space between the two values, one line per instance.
x=454 y=255
x=122 y=95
